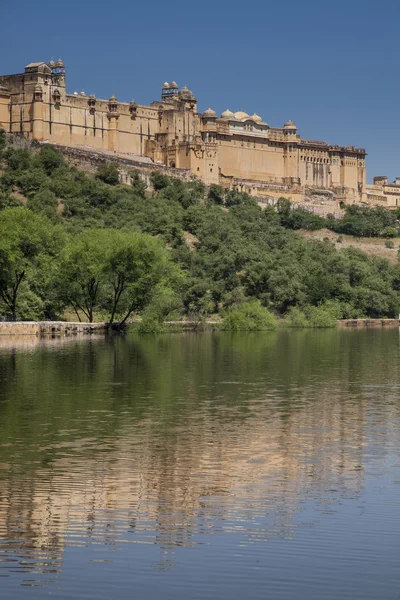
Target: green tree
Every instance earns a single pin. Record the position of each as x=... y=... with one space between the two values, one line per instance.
x=284 y=206
x=159 y=181
x=50 y=159
x=216 y=194
x=28 y=246
x=135 y=265
x=82 y=277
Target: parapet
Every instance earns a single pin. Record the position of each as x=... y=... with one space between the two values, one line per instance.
x=380 y=180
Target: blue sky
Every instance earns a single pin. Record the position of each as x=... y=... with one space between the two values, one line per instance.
x=332 y=67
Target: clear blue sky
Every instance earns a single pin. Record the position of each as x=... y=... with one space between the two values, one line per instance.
x=332 y=67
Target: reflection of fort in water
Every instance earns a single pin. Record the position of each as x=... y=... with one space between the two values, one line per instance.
x=150 y=481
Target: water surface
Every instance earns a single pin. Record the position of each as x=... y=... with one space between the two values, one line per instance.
x=207 y=466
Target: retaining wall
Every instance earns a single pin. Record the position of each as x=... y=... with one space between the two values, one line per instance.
x=40 y=328
x=363 y=323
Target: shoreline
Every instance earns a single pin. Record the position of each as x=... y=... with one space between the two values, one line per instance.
x=71 y=328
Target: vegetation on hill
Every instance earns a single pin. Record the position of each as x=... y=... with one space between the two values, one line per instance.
x=89 y=245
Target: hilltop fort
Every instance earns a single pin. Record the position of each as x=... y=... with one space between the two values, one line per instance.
x=235 y=150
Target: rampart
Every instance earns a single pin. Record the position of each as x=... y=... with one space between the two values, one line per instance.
x=89 y=160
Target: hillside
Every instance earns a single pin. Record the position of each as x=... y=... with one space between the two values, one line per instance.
x=86 y=244
x=374 y=246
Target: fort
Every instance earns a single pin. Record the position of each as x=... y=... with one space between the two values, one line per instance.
x=235 y=150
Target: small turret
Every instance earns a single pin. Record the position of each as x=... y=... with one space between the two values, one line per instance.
x=290 y=128
x=113 y=104
x=92 y=103
x=133 y=109
x=57 y=97
x=38 y=93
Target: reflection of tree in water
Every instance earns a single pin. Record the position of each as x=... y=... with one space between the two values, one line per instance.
x=161 y=438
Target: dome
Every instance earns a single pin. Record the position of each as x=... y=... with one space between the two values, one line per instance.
x=227 y=114
x=174 y=86
x=113 y=99
x=92 y=97
x=256 y=118
x=83 y=93
x=289 y=125
x=186 y=93
x=165 y=86
x=75 y=93
x=210 y=113
x=60 y=64
x=52 y=64
x=241 y=116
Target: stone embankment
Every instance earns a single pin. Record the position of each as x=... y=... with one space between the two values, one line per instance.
x=366 y=323
x=67 y=329
x=41 y=328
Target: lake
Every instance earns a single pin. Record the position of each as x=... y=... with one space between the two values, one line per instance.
x=201 y=466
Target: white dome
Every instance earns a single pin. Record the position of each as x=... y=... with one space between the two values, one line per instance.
x=241 y=116
x=256 y=118
x=227 y=114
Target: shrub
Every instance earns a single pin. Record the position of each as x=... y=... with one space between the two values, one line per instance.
x=251 y=316
x=137 y=183
x=389 y=244
x=3 y=140
x=159 y=181
x=390 y=232
x=303 y=219
x=324 y=315
x=108 y=173
x=296 y=318
x=284 y=206
x=149 y=325
x=339 y=239
x=50 y=159
x=216 y=194
x=31 y=181
x=45 y=202
x=18 y=160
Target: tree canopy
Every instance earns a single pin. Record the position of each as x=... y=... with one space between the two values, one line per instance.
x=96 y=248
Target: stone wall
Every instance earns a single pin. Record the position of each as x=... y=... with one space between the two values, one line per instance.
x=89 y=160
x=39 y=328
x=367 y=323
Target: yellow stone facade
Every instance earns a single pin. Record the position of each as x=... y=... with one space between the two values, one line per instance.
x=384 y=193
x=235 y=150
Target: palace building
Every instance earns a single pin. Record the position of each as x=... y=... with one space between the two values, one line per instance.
x=235 y=150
